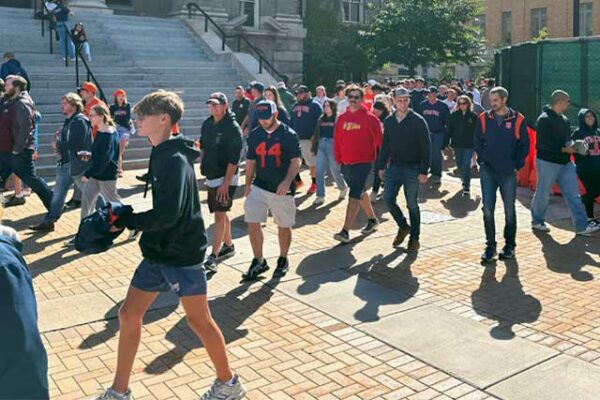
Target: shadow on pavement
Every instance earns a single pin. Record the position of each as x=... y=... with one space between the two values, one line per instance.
x=505 y=301
x=460 y=206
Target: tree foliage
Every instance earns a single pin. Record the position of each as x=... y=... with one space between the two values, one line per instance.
x=331 y=49
x=422 y=32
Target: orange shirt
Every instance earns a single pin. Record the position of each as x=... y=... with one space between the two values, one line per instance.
x=86 y=111
x=175 y=130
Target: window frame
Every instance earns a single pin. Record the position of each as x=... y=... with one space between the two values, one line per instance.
x=539 y=16
x=361 y=11
x=256 y=7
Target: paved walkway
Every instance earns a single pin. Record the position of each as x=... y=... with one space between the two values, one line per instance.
x=359 y=321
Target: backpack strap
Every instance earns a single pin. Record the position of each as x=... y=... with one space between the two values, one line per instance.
x=483 y=119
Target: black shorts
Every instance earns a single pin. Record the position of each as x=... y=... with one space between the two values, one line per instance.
x=214 y=205
x=356 y=176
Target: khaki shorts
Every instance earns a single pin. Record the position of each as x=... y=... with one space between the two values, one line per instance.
x=309 y=158
x=259 y=202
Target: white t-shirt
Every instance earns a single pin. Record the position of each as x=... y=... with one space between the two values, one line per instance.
x=215 y=183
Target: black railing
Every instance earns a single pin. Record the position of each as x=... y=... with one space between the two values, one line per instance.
x=240 y=37
x=52 y=26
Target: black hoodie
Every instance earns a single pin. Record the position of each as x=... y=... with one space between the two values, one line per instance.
x=589 y=163
x=553 y=132
x=221 y=144
x=173 y=231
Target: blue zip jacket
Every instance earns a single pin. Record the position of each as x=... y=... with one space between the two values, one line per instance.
x=499 y=149
x=304 y=118
x=23 y=359
x=105 y=157
x=437 y=116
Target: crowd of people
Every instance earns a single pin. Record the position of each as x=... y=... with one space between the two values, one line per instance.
x=379 y=136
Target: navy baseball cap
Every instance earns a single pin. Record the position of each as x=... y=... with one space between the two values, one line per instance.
x=257 y=85
x=433 y=89
x=302 y=89
x=265 y=109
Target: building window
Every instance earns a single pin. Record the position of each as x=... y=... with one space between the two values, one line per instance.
x=480 y=24
x=506 y=27
x=538 y=21
x=353 y=10
x=250 y=8
x=585 y=20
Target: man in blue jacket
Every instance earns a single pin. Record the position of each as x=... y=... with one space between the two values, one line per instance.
x=23 y=359
x=502 y=145
x=437 y=115
x=12 y=66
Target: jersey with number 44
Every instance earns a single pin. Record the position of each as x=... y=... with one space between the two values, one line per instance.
x=273 y=153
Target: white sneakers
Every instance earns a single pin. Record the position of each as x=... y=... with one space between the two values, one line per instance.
x=343 y=193
x=540 y=227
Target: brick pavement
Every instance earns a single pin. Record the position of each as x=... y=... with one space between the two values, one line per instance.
x=287 y=349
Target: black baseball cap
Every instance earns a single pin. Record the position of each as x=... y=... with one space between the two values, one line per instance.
x=302 y=89
x=217 y=98
x=257 y=85
x=433 y=89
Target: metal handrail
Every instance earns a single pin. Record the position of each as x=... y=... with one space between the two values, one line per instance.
x=239 y=36
x=90 y=74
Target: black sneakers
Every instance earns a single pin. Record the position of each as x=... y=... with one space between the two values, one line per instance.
x=342 y=236
x=489 y=254
x=226 y=252
x=283 y=266
x=371 y=226
x=43 y=227
x=210 y=265
x=256 y=269
x=14 y=201
x=507 y=253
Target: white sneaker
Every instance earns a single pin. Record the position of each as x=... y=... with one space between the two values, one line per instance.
x=318 y=201
x=133 y=235
x=343 y=193
x=540 y=227
x=374 y=197
x=591 y=228
x=222 y=391
x=110 y=394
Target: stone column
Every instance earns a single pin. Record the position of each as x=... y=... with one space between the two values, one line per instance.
x=90 y=5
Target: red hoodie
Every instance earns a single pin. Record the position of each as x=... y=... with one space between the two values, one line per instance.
x=357 y=137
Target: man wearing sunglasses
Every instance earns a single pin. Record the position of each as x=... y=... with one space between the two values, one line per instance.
x=357 y=137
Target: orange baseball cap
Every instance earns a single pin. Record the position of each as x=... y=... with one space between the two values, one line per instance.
x=89 y=86
x=119 y=92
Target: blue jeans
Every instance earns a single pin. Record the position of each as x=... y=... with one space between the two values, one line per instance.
x=22 y=166
x=62 y=36
x=566 y=177
x=437 y=145
x=64 y=180
x=395 y=178
x=463 y=162
x=325 y=160
x=490 y=183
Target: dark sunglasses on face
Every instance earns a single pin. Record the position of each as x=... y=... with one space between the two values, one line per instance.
x=462 y=104
x=354 y=97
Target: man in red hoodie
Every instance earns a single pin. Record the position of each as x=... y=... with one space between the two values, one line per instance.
x=357 y=137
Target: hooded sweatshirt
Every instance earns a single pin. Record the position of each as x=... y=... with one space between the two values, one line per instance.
x=23 y=359
x=589 y=163
x=357 y=137
x=173 y=230
x=221 y=144
x=436 y=115
x=553 y=132
x=13 y=67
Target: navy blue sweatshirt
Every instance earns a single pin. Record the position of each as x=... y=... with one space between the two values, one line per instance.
x=304 y=118
x=173 y=230
x=499 y=149
x=589 y=163
x=105 y=157
x=121 y=114
x=436 y=115
x=23 y=359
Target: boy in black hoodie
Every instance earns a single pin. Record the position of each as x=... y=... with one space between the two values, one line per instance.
x=173 y=244
x=588 y=166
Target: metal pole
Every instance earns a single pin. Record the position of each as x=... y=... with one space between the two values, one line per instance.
x=576 y=8
x=76 y=68
x=260 y=62
x=66 y=36
x=51 y=38
x=223 y=43
x=43 y=18
x=205 y=23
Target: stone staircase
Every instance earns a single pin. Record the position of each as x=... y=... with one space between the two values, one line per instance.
x=138 y=54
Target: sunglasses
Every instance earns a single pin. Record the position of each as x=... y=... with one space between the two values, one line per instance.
x=354 y=97
x=463 y=103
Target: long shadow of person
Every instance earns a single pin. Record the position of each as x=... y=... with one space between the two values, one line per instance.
x=312 y=268
x=569 y=258
x=313 y=216
x=229 y=312
x=398 y=276
x=111 y=325
x=460 y=206
x=431 y=191
x=505 y=301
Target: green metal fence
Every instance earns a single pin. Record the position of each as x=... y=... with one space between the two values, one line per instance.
x=532 y=71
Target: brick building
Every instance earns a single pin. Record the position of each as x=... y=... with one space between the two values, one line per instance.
x=506 y=22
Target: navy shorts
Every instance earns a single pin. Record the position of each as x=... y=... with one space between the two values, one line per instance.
x=356 y=176
x=183 y=281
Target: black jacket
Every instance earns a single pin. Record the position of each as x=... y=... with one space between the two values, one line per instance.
x=589 y=163
x=75 y=136
x=173 y=230
x=461 y=129
x=221 y=145
x=553 y=132
x=406 y=142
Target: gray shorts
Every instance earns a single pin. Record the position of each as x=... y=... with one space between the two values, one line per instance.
x=259 y=202
x=309 y=158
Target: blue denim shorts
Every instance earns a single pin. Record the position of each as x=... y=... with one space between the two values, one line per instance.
x=183 y=281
